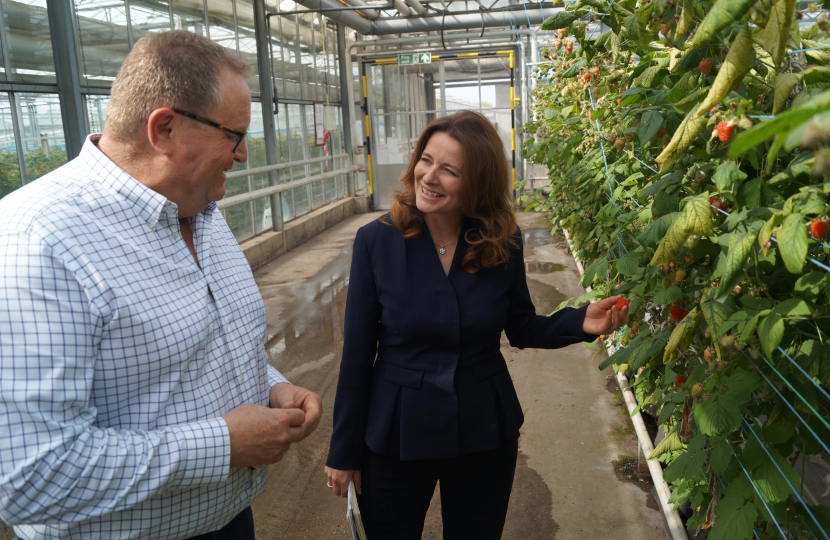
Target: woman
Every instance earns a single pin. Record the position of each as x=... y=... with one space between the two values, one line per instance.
x=424 y=394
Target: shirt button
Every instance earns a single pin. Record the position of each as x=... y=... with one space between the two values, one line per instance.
x=175 y=235
x=153 y=223
x=227 y=328
x=242 y=378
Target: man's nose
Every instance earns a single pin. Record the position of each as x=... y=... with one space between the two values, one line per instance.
x=241 y=154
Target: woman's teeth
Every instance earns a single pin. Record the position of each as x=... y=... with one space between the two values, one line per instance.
x=429 y=193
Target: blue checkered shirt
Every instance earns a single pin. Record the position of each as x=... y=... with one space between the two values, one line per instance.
x=118 y=356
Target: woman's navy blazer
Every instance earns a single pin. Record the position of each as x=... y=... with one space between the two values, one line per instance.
x=422 y=375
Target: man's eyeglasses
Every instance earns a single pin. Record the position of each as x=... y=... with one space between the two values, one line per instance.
x=240 y=135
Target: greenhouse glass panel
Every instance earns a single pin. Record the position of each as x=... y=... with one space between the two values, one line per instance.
x=28 y=40
x=283 y=134
x=221 y=25
x=313 y=151
x=149 y=16
x=104 y=39
x=276 y=51
x=291 y=59
x=41 y=132
x=307 y=38
x=247 y=41
x=296 y=144
x=189 y=15
x=9 y=166
x=96 y=111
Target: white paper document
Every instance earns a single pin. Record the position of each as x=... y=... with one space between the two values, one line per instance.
x=353 y=513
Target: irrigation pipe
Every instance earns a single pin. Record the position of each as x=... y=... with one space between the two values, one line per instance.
x=675 y=525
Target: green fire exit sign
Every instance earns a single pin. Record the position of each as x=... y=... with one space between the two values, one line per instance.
x=415 y=58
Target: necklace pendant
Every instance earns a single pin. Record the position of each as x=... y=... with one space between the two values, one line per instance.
x=441 y=250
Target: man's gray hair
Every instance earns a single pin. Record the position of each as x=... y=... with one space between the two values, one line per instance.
x=176 y=69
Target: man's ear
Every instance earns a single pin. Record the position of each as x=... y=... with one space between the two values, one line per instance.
x=162 y=130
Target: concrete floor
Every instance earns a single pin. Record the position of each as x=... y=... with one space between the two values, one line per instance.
x=577 y=476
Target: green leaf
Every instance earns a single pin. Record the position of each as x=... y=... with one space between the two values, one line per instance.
x=784 y=84
x=649 y=125
x=751 y=192
x=721 y=413
x=739 y=60
x=719 y=17
x=695 y=219
x=683 y=137
x=781 y=124
x=771 y=332
x=740 y=246
x=699 y=216
x=816 y=75
x=792 y=243
x=664 y=203
x=794 y=307
x=716 y=312
x=561 y=19
x=689 y=463
x=772 y=486
x=628 y=264
x=619 y=357
x=727 y=175
x=649 y=77
x=773 y=37
x=670 y=443
x=822 y=515
x=736 y=518
x=682 y=335
x=720 y=455
x=595 y=270
x=814 y=357
x=664 y=297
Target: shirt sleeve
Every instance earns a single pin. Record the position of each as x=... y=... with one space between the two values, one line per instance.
x=56 y=465
x=526 y=329
x=360 y=345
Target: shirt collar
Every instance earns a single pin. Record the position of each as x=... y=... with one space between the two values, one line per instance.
x=148 y=204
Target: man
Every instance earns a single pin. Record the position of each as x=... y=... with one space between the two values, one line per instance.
x=135 y=395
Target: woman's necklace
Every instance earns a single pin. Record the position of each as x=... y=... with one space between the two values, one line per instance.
x=441 y=249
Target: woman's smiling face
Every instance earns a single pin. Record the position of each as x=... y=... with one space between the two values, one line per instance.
x=439 y=177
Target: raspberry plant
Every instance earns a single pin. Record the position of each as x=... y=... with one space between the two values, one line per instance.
x=707 y=233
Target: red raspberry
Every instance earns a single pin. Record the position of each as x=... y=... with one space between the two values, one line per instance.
x=705 y=66
x=677 y=313
x=621 y=303
x=818 y=228
x=587 y=77
x=724 y=131
x=679 y=379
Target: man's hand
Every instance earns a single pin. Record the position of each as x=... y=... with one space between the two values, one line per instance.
x=339 y=481
x=603 y=317
x=288 y=396
x=260 y=435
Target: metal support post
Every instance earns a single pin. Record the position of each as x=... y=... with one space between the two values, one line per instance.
x=65 y=53
x=345 y=101
x=267 y=98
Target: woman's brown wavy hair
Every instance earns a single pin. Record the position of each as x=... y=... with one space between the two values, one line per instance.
x=486 y=197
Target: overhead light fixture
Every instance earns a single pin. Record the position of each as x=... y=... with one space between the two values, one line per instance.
x=287 y=5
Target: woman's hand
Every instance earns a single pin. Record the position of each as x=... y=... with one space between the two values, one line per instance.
x=603 y=317
x=339 y=481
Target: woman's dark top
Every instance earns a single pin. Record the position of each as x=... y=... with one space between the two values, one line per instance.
x=422 y=375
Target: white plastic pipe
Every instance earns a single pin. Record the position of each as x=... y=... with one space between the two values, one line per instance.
x=370 y=13
x=676 y=529
x=416 y=6
x=402 y=8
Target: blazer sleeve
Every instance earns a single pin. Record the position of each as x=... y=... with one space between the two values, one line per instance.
x=360 y=343
x=526 y=329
